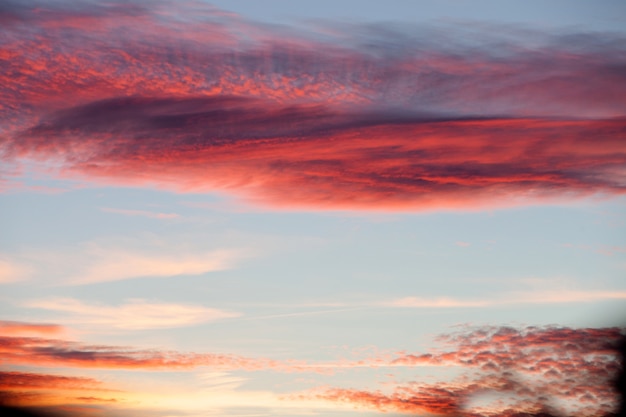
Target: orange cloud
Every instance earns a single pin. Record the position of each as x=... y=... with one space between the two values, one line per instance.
x=22 y=405
x=25 y=380
x=34 y=394
x=556 y=370
x=18 y=327
x=442 y=402
x=38 y=351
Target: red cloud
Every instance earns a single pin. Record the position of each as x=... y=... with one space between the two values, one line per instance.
x=32 y=394
x=530 y=368
x=321 y=126
x=25 y=380
x=97 y=399
x=436 y=400
x=446 y=400
x=315 y=157
x=59 y=52
x=54 y=352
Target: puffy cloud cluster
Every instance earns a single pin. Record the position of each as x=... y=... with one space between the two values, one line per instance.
x=538 y=371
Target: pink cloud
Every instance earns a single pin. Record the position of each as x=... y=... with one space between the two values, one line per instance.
x=220 y=103
x=528 y=368
x=350 y=163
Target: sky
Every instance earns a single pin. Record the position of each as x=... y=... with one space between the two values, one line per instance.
x=333 y=209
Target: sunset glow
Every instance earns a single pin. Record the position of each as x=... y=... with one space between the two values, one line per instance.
x=240 y=208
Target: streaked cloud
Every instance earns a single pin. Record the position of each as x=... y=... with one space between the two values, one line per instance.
x=429 y=302
x=19 y=327
x=134 y=314
x=27 y=380
x=328 y=120
x=116 y=264
x=36 y=351
x=141 y=213
x=337 y=160
x=115 y=259
x=511 y=298
x=440 y=400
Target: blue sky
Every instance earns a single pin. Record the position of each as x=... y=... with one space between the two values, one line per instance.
x=282 y=208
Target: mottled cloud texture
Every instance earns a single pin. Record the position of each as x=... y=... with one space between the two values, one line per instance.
x=532 y=371
x=190 y=98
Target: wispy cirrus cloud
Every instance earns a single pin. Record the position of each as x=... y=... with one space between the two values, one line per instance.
x=511 y=298
x=12 y=271
x=141 y=213
x=115 y=259
x=114 y=265
x=327 y=121
x=435 y=302
x=134 y=314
